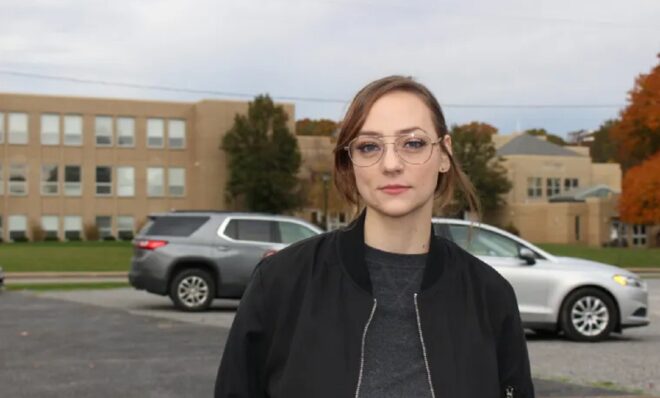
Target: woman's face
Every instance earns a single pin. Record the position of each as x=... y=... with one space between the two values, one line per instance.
x=392 y=113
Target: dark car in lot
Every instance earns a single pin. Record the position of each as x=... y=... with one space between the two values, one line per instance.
x=2 y=279
x=195 y=257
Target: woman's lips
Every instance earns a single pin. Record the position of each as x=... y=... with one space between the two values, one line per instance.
x=394 y=190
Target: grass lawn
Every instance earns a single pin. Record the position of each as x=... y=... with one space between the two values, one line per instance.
x=622 y=257
x=65 y=256
x=67 y=286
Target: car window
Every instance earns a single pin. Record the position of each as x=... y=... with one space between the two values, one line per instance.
x=175 y=226
x=254 y=230
x=484 y=242
x=292 y=232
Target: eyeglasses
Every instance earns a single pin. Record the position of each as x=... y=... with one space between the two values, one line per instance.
x=414 y=147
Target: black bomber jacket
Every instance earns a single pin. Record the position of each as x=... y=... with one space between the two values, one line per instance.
x=300 y=328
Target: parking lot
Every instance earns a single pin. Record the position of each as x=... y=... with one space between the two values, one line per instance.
x=122 y=342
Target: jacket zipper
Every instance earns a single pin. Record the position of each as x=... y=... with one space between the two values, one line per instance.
x=364 y=336
x=421 y=339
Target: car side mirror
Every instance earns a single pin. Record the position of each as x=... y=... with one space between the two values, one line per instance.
x=527 y=255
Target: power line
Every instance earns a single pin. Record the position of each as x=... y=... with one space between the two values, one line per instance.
x=220 y=93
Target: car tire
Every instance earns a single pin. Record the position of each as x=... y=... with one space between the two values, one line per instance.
x=192 y=290
x=588 y=314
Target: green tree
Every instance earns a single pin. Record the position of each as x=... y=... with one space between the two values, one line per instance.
x=603 y=149
x=555 y=139
x=475 y=151
x=263 y=160
x=324 y=127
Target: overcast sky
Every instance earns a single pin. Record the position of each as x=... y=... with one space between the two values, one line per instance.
x=478 y=57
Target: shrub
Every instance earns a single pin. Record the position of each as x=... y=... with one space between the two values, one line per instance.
x=512 y=229
x=37 y=232
x=91 y=232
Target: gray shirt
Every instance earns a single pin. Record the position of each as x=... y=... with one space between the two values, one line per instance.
x=393 y=361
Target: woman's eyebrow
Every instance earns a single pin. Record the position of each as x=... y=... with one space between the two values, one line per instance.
x=402 y=131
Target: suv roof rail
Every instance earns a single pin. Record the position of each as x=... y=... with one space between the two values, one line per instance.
x=222 y=212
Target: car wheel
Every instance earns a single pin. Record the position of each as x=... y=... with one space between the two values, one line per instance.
x=192 y=290
x=588 y=315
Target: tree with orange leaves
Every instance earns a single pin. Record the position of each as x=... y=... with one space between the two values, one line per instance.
x=640 y=202
x=637 y=134
x=637 y=139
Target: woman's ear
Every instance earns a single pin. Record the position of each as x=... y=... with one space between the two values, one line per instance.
x=445 y=163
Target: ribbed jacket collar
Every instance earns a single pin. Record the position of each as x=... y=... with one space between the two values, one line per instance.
x=351 y=248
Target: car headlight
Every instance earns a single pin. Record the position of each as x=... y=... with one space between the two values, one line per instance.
x=624 y=280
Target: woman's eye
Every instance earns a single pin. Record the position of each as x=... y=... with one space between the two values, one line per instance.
x=415 y=144
x=368 y=147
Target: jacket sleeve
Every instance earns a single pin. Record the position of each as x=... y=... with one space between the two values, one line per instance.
x=241 y=371
x=513 y=359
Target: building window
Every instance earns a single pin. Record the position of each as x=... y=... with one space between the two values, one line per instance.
x=570 y=183
x=176 y=130
x=553 y=186
x=639 y=235
x=125 y=181
x=2 y=131
x=155 y=181
x=577 y=228
x=72 y=227
x=50 y=129
x=126 y=131
x=125 y=227
x=104 y=226
x=534 y=187
x=2 y=185
x=103 y=180
x=103 y=130
x=72 y=181
x=18 y=179
x=155 y=133
x=51 y=226
x=73 y=130
x=49 y=180
x=176 y=180
x=18 y=128
x=17 y=227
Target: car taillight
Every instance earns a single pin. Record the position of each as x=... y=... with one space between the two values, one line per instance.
x=149 y=244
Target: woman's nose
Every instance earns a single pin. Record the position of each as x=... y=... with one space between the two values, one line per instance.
x=391 y=160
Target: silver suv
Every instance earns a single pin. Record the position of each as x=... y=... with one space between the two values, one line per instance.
x=195 y=257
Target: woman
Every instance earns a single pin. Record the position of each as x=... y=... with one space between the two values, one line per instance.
x=382 y=307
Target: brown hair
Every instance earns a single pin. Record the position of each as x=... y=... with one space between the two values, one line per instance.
x=344 y=177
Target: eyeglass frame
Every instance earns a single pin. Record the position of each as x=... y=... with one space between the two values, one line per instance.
x=347 y=148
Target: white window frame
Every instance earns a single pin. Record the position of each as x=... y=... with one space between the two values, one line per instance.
x=639 y=235
x=123 y=123
x=12 y=220
x=2 y=184
x=50 y=137
x=103 y=185
x=170 y=186
x=151 y=174
x=68 y=221
x=122 y=225
x=46 y=184
x=101 y=122
x=14 y=184
x=570 y=183
x=155 y=130
x=125 y=181
x=72 y=186
x=534 y=187
x=73 y=130
x=20 y=136
x=552 y=186
x=2 y=128
x=173 y=126
x=103 y=231
x=45 y=227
